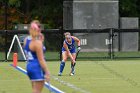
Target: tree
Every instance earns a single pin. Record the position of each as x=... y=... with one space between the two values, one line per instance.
x=23 y=11
x=129 y=8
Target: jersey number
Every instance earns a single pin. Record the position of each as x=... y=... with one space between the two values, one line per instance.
x=29 y=55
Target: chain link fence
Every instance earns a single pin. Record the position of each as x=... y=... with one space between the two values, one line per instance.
x=95 y=43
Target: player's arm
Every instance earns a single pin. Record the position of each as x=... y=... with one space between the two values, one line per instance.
x=69 y=54
x=78 y=42
x=41 y=59
x=76 y=39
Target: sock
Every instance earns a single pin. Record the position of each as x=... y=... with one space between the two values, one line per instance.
x=72 y=67
x=62 y=65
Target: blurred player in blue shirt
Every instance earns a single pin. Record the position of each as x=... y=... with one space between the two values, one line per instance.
x=37 y=69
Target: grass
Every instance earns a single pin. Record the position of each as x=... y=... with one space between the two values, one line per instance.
x=92 y=76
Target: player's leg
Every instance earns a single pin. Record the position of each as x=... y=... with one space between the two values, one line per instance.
x=62 y=64
x=37 y=86
x=73 y=64
x=73 y=52
x=35 y=72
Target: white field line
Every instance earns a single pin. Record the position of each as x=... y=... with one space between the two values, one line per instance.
x=56 y=90
x=70 y=85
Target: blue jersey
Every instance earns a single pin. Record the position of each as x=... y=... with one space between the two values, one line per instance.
x=30 y=55
x=34 y=70
x=71 y=46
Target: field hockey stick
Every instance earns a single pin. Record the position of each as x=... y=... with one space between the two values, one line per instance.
x=75 y=59
x=77 y=54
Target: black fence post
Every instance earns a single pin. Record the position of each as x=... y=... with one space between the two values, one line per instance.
x=5 y=15
x=5 y=24
x=6 y=45
x=119 y=41
x=113 y=36
x=62 y=33
x=111 y=43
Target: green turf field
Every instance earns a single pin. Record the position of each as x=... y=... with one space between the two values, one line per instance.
x=91 y=77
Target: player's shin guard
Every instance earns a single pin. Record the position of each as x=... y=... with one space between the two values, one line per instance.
x=62 y=65
x=72 y=67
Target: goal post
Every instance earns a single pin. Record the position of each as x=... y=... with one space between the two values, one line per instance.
x=19 y=44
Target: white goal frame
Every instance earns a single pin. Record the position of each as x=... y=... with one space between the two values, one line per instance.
x=19 y=44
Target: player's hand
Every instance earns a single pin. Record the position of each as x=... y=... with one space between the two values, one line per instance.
x=79 y=48
x=47 y=77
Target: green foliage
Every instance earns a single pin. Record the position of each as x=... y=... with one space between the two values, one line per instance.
x=51 y=12
x=23 y=11
x=129 y=8
x=15 y=3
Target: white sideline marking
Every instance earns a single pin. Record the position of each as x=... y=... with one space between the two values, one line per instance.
x=49 y=86
x=70 y=85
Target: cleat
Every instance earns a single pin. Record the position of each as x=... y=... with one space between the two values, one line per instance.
x=59 y=74
x=71 y=74
x=73 y=71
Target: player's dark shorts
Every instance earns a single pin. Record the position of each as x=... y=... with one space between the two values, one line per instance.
x=34 y=71
x=73 y=50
